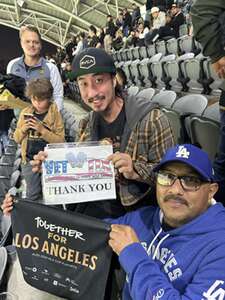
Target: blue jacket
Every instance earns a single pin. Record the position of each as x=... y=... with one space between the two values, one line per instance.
x=186 y=263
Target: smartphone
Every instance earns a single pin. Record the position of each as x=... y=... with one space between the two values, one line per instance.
x=28 y=116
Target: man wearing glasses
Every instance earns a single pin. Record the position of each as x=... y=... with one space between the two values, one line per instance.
x=177 y=250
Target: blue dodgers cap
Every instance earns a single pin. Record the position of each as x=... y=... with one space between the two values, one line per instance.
x=93 y=60
x=189 y=155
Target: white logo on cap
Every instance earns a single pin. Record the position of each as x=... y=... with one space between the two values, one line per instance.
x=87 y=62
x=182 y=152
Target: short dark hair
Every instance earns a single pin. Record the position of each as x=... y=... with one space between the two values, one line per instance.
x=40 y=88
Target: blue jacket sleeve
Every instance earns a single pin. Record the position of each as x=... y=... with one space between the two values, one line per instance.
x=146 y=281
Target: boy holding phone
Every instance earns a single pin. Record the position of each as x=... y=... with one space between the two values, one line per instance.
x=38 y=125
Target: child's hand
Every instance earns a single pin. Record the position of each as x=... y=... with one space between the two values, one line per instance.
x=25 y=127
x=36 y=125
x=7 y=205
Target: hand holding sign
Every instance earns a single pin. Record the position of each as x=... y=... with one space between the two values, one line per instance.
x=38 y=160
x=124 y=164
x=121 y=236
x=7 y=204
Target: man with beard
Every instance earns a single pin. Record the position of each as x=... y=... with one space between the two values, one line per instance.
x=139 y=132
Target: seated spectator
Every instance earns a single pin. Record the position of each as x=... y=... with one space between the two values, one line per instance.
x=158 y=18
x=131 y=40
x=38 y=125
x=135 y=14
x=67 y=77
x=176 y=250
x=119 y=21
x=81 y=43
x=177 y=19
x=140 y=34
x=107 y=41
x=101 y=36
x=112 y=28
x=127 y=22
x=93 y=39
x=117 y=42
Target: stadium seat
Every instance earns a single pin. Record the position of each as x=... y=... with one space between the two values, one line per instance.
x=146 y=93
x=179 y=113
x=135 y=52
x=205 y=133
x=165 y=98
x=133 y=90
x=212 y=112
x=175 y=74
x=151 y=50
x=175 y=123
x=192 y=103
x=143 y=52
x=183 y=30
x=172 y=46
x=160 y=47
x=213 y=80
x=126 y=69
x=145 y=72
x=134 y=72
x=159 y=78
x=185 y=44
x=193 y=69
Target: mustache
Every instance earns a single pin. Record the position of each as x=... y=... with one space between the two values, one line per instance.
x=97 y=97
x=176 y=198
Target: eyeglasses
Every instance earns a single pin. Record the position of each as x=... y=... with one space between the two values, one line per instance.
x=188 y=183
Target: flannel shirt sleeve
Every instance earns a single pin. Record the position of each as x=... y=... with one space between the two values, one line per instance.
x=155 y=137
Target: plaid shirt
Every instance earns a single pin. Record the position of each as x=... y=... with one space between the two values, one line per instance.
x=147 y=143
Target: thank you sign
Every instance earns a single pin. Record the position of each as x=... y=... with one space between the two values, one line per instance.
x=75 y=173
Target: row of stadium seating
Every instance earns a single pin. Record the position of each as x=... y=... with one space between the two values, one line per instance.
x=186 y=73
x=179 y=46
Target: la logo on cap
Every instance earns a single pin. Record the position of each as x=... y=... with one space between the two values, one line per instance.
x=87 y=62
x=182 y=152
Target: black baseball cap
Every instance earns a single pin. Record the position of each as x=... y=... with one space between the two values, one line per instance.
x=93 y=60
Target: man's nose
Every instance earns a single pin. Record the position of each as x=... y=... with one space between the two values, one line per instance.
x=177 y=187
x=92 y=91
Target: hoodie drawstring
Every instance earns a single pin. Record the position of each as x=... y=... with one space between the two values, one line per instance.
x=157 y=247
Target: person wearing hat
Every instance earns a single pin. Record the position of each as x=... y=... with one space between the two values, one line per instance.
x=177 y=250
x=140 y=132
x=158 y=18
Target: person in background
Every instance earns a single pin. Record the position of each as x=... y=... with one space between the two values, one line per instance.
x=177 y=19
x=93 y=39
x=135 y=14
x=6 y=116
x=176 y=250
x=38 y=125
x=82 y=43
x=208 y=19
x=127 y=22
x=32 y=65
